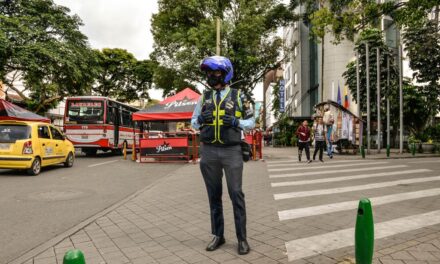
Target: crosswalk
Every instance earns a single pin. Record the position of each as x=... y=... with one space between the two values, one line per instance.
x=320 y=185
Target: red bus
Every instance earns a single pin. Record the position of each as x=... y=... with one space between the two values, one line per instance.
x=95 y=123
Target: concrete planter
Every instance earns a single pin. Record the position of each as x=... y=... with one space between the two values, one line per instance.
x=427 y=147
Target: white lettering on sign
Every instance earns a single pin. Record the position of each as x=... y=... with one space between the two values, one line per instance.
x=180 y=103
x=164 y=147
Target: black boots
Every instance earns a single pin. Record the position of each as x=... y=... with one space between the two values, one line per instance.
x=215 y=243
x=243 y=247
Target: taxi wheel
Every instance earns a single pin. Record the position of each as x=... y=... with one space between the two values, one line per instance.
x=35 y=168
x=69 y=160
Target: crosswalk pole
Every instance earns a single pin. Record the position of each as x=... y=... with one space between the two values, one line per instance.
x=74 y=256
x=364 y=233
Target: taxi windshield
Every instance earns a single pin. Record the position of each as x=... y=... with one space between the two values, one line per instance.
x=12 y=133
x=85 y=112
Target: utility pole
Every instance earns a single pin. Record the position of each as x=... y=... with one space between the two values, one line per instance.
x=401 y=99
x=358 y=96
x=218 y=37
x=378 y=99
x=367 y=58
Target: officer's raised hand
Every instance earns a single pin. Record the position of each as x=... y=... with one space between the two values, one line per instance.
x=231 y=121
x=206 y=117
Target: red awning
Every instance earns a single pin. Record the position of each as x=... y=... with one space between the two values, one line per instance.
x=10 y=111
x=176 y=107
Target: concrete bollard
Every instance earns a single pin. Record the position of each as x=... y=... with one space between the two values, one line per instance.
x=74 y=256
x=364 y=233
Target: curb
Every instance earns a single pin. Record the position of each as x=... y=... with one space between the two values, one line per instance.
x=57 y=239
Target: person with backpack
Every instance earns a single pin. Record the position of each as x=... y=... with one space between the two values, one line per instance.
x=303 y=133
x=319 y=132
x=221 y=114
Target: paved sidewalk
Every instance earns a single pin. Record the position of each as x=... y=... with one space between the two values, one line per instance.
x=169 y=223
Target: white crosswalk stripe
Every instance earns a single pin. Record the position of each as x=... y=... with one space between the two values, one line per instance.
x=305 y=164
x=288 y=195
x=343 y=180
x=329 y=166
x=343 y=206
x=310 y=246
x=324 y=172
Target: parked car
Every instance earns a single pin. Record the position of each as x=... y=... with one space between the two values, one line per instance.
x=33 y=145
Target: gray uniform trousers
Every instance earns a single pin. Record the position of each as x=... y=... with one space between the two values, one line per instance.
x=214 y=160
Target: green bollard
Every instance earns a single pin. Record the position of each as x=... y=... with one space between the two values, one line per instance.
x=364 y=233
x=388 y=151
x=413 y=149
x=74 y=256
x=363 y=152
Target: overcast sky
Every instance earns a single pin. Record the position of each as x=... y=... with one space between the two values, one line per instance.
x=121 y=24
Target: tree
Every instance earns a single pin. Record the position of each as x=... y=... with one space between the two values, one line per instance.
x=170 y=81
x=42 y=47
x=423 y=46
x=121 y=76
x=184 y=33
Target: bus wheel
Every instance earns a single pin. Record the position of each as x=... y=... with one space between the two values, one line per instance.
x=90 y=152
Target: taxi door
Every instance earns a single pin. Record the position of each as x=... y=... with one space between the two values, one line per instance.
x=47 y=146
x=60 y=150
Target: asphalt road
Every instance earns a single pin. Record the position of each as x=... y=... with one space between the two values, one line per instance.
x=34 y=209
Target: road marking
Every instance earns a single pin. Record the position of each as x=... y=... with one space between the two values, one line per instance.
x=425 y=161
x=323 y=172
x=298 y=164
x=102 y=163
x=345 y=178
x=281 y=196
x=344 y=206
x=282 y=161
x=329 y=166
x=311 y=246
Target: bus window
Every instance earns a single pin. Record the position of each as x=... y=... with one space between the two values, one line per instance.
x=85 y=112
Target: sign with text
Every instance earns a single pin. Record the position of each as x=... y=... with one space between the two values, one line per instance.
x=164 y=146
x=282 y=99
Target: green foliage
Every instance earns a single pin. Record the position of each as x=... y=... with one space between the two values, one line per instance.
x=423 y=46
x=185 y=33
x=276 y=100
x=170 y=80
x=41 y=44
x=121 y=76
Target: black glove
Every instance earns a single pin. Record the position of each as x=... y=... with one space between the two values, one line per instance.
x=206 y=117
x=229 y=120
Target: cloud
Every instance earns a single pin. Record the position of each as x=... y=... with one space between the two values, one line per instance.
x=116 y=23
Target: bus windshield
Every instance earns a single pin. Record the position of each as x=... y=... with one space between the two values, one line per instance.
x=85 y=112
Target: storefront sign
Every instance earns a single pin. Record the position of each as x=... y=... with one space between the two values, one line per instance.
x=282 y=99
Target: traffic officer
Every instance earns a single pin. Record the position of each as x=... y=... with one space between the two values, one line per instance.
x=221 y=114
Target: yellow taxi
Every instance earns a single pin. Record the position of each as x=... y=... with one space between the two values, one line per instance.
x=33 y=145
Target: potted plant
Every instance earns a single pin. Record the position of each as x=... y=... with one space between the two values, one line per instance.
x=428 y=146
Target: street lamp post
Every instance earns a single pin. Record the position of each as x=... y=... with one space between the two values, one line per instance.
x=358 y=95
x=388 y=104
x=401 y=99
x=367 y=58
x=378 y=99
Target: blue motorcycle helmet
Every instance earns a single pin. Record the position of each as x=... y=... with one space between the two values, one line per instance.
x=217 y=63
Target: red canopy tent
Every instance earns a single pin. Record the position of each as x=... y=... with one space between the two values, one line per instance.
x=177 y=107
x=10 y=111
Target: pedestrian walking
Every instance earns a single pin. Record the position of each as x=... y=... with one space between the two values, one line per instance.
x=303 y=133
x=319 y=132
x=221 y=114
x=328 y=122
